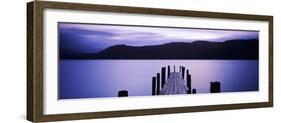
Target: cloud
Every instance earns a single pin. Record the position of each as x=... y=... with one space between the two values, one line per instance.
x=98 y=36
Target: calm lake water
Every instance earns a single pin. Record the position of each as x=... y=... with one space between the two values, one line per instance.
x=104 y=78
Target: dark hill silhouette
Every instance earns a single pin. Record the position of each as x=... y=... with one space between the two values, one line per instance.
x=231 y=49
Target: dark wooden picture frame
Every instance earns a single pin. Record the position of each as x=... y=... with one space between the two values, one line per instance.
x=35 y=60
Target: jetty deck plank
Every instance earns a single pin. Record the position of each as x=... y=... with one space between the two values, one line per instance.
x=175 y=84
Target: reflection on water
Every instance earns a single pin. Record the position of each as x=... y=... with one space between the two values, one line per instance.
x=104 y=78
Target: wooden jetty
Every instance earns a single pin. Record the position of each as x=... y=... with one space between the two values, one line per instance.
x=175 y=84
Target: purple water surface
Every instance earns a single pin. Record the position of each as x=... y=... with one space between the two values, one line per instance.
x=104 y=78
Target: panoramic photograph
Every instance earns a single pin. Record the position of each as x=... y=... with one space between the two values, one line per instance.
x=105 y=60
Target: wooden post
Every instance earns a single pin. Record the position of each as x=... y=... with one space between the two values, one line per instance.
x=163 y=76
x=158 y=84
x=215 y=87
x=183 y=71
x=188 y=80
x=193 y=91
x=153 y=85
x=123 y=93
x=169 y=71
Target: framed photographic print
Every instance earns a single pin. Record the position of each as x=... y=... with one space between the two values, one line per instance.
x=89 y=61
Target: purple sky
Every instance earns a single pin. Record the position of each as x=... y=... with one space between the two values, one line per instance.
x=90 y=38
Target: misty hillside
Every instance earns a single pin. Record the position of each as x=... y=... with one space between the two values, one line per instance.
x=231 y=49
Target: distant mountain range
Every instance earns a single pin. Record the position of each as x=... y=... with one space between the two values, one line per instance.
x=231 y=49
